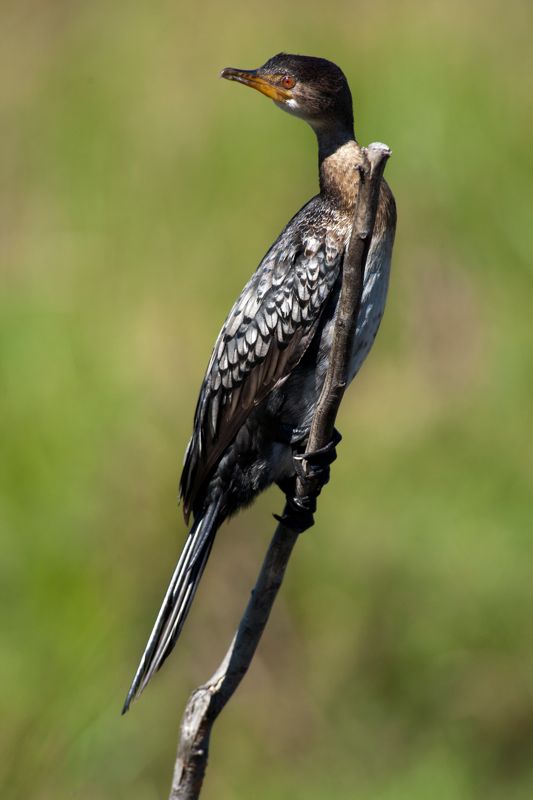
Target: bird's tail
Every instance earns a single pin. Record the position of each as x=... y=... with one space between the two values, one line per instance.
x=178 y=599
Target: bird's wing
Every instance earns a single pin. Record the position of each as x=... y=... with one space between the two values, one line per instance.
x=264 y=337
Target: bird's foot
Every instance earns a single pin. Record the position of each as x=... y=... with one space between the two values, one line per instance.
x=314 y=465
x=312 y=469
x=298 y=513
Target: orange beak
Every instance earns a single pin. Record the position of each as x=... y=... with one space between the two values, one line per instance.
x=263 y=83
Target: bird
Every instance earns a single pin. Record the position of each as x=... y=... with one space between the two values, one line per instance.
x=268 y=364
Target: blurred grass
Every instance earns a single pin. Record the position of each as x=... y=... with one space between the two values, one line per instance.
x=138 y=194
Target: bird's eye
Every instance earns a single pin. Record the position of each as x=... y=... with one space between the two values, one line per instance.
x=287 y=82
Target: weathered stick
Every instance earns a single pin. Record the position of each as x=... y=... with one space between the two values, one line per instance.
x=207 y=701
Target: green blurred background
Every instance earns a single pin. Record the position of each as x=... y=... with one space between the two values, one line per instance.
x=138 y=193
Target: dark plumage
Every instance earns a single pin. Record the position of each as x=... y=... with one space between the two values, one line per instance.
x=262 y=383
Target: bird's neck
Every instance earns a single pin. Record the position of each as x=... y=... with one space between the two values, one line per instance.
x=339 y=155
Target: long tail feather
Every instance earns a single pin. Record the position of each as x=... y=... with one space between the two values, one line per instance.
x=177 y=601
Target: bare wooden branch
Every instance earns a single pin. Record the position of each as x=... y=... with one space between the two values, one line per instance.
x=207 y=701
x=353 y=268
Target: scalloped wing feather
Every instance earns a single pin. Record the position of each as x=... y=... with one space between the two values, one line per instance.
x=264 y=337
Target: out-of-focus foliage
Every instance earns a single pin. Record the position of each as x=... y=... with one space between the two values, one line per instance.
x=138 y=193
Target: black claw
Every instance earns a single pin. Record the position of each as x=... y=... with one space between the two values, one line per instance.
x=317 y=461
x=312 y=471
x=298 y=512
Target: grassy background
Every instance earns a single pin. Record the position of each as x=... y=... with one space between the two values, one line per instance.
x=137 y=194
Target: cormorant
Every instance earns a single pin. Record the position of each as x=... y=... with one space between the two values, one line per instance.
x=268 y=364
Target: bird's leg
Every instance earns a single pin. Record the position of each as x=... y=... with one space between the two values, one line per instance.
x=312 y=468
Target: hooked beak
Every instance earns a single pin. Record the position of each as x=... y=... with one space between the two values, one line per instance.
x=263 y=83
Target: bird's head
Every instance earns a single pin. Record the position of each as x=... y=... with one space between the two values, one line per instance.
x=311 y=88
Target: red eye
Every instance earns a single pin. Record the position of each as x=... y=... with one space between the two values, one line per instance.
x=287 y=82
